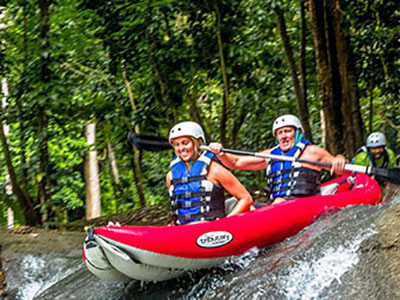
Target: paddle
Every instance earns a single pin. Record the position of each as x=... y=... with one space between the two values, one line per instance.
x=148 y=142
x=155 y=144
x=391 y=175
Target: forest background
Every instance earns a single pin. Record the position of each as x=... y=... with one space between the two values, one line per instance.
x=78 y=75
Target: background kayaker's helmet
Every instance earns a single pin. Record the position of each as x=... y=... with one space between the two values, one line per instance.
x=288 y=120
x=187 y=128
x=376 y=139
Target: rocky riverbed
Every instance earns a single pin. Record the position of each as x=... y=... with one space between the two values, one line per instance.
x=31 y=240
x=383 y=249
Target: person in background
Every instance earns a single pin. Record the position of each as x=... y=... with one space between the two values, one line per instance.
x=286 y=180
x=375 y=154
x=197 y=182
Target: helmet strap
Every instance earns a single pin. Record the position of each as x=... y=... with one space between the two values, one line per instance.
x=189 y=164
x=298 y=136
x=297 y=139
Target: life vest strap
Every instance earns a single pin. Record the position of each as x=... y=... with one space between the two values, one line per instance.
x=300 y=191
x=189 y=204
x=188 y=179
x=283 y=172
x=188 y=195
x=202 y=216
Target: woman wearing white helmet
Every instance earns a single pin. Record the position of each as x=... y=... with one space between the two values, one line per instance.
x=285 y=179
x=375 y=153
x=197 y=182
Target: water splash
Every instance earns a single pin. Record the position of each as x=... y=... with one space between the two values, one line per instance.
x=324 y=261
x=29 y=268
x=308 y=279
x=32 y=274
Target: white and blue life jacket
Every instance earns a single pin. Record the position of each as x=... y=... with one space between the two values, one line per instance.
x=193 y=197
x=290 y=179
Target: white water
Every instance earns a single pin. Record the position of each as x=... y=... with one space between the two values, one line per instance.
x=29 y=266
x=38 y=273
x=321 y=262
x=308 y=279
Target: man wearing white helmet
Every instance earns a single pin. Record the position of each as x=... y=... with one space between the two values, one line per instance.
x=197 y=182
x=287 y=180
x=375 y=153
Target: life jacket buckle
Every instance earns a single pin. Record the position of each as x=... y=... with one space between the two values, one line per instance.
x=204 y=209
x=188 y=195
x=185 y=179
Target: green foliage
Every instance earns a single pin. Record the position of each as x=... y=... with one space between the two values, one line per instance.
x=170 y=54
x=373 y=27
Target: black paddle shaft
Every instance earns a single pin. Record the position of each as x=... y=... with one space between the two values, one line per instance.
x=148 y=142
x=391 y=175
x=156 y=143
x=278 y=157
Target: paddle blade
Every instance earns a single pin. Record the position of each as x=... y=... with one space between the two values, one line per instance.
x=148 y=142
x=394 y=175
x=391 y=175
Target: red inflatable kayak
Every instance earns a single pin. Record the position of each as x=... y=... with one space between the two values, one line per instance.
x=165 y=252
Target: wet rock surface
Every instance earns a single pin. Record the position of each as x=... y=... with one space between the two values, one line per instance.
x=382 y=255
x=377 y=274
x=26 y=240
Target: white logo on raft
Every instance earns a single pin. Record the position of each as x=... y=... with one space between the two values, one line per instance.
x=214 y=239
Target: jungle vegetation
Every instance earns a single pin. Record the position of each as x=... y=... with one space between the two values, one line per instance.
x=78 y=75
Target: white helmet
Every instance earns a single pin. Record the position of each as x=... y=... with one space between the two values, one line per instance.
x=376 y=139
x=187 y=128
x=286 y=120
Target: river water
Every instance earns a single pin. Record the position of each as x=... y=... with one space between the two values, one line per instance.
x=327 y=260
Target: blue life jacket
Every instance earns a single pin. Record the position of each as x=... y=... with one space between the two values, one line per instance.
x=289 y=179
x=193 y=197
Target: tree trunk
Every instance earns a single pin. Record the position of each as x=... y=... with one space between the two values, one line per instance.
x=113 y=163
x=29 y=209
x=327 y=73
x=354 y=127
x=44 y=195
x=6 y=128
x=371 y=106
x=303 y=69
x=44 y=164
x=191 y=97
x=116 y=182
x=93 y=203
x=9 y=192
x=225 y=97
x=237 y=124
x=22 y=89
x=301 y=101
x=161 y=78
x=138 y=174
x=10 y=218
